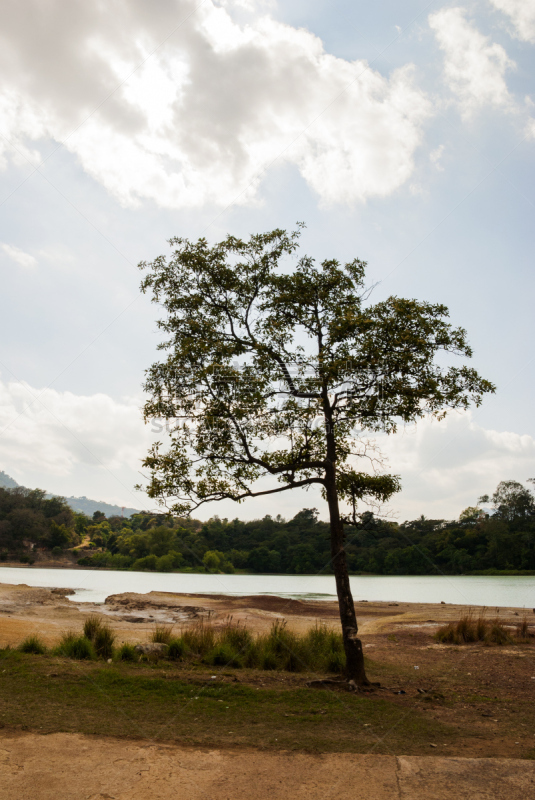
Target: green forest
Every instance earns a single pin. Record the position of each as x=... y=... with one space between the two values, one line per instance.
x=497 y=535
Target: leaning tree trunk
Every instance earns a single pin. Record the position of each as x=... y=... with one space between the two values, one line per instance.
x=352 y=645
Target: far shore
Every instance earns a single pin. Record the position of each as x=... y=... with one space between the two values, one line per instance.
x=68 y=564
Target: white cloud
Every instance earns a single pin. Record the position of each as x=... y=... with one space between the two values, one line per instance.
x=474 y=68
x=445 y=466
x=530 y=128
x=53 y=432
x=19 y=256
x=211 y=105
x=435 y=156
x=521 y=14
x=93 y=445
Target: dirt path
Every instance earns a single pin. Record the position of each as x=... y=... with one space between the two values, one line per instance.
x=71 y=767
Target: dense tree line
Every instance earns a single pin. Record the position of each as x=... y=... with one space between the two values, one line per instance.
x=498 y=534
x=29 y=520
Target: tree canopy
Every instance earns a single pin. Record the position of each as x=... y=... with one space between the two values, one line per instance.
x=276 y=371
x=266 y=355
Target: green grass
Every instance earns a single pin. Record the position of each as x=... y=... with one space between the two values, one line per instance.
x=77 y=647
x=101 y=637
x=33 y=644
x=126 y=652
x=176 y=649
x=92 y=625
x=320 y=649
x=51 y=694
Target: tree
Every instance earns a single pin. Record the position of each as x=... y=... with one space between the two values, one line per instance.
x=273 y=374
x=512 y=501
x=212 y=560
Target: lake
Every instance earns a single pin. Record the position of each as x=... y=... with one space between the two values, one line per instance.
x=93 y=586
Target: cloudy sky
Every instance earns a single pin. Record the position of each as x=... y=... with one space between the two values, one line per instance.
x=401 y=133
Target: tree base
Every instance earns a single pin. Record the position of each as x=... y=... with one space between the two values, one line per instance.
x=355 y=671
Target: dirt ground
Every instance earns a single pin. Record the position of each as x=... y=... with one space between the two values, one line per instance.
x=25 y=610
x=69 y=767
x=485 y=694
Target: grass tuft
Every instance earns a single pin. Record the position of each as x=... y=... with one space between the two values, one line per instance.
x=177 y=649
x=319 y=650
x=92 y=626
x=200 y=639
x=522 y=631
x=224 y=655
x=467 y=630
x=103 y=642
x=162 y=634
x=78 y=647
x=126 y=652
x=100 y=635
x=33 y=644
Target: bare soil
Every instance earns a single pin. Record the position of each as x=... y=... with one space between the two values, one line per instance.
x=69 y=767
x=477 y=699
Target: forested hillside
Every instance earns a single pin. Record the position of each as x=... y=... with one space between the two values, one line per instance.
x=83 y=504
x=30 y=521
x=503 y=539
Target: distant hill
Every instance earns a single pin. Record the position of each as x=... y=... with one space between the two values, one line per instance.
x=90 y=506
x=82 y=504
x=6 y=482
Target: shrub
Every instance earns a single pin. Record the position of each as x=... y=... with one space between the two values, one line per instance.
x=224 y=655
x=126 y=652
x=200 y=639
x=147 y=562
x=522 y=631
x=287 y=647
x=165 y=563
x=33 y=644
x=335 y=662
x=78 y=647
x=236 y=636
x=466 y=631
x=92 y=625
x=176 y=649
x=162 y=634
x=497 y=634
x=103 y=642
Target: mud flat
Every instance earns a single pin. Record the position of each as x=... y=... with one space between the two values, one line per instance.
x=26 y=610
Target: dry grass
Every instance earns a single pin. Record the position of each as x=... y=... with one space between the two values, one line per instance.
x=489 y=631
x=162 y=634
x=100 y=635
x=319 y=650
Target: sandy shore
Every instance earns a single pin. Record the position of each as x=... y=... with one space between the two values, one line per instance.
x=26 y=610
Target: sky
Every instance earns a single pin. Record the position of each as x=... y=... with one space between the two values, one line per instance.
x=400 y=133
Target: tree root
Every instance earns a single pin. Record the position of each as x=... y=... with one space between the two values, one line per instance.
x=343 y=683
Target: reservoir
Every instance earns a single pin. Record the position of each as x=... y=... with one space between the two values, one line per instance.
x=93 y=586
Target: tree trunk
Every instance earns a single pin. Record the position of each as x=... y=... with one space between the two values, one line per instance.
x=352 y=645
